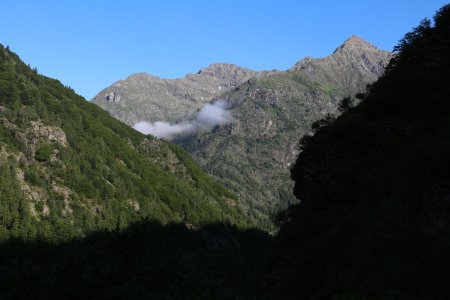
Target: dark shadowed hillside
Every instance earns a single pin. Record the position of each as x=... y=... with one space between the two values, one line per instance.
x=374 y=185
x=145 y=261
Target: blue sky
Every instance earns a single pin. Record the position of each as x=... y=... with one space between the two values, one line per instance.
x=88 y=45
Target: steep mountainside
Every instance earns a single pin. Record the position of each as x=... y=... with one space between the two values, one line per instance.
x=252 y=156
x=91 y=209
x=68 y=168
x=149 y=98
x=374 y=221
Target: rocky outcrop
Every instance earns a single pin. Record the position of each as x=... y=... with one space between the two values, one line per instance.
x=38 y=130
x=37 y=133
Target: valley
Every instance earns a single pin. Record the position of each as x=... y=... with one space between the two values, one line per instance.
x=326 y=181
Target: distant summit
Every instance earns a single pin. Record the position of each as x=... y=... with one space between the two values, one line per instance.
x=354 y=56
x=355 y=43
x=220 y=69
x=230 y=72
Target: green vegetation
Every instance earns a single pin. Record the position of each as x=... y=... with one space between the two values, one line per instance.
x=43 y=153
x=68 y=168
x=373 y=222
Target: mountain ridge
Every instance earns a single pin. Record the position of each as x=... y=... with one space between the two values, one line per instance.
x=181 y=95
x=253 y=154
x=187 y=94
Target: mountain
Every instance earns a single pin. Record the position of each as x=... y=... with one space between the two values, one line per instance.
x=351 y=65
x=252 y=155
x=68 y=168
x=143 y=97
x=373 y=222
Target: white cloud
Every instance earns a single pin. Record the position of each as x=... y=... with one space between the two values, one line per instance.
x=210 y=115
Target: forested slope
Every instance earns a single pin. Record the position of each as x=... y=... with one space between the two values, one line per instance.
x=92 y=209
x=68 y=168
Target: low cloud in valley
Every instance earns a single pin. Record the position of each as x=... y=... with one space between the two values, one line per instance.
x=209 y=116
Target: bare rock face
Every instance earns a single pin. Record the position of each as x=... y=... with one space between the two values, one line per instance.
x=112 y=97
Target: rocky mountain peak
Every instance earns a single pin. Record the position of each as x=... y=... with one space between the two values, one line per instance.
x=220 y=68
x=354 y=56
x=356 y=40
x=142 y=76
x=229 y=73
x=356 y=44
